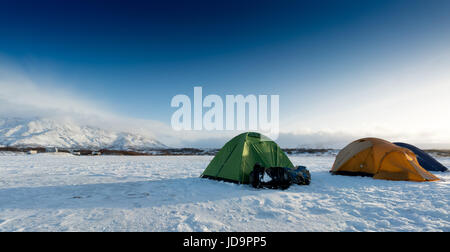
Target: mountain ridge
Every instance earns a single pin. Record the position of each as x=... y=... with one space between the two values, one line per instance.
x=47 y=132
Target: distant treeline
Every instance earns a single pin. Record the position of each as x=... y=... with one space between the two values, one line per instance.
x=443 y=153
x=147 y=152
x=177 y=151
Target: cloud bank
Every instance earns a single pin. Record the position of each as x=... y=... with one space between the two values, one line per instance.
x=389 y=119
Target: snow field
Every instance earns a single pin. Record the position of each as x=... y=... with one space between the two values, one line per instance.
x=48 y=192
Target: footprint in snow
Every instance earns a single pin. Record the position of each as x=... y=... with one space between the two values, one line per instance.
x=319 y=211
x=140 y=195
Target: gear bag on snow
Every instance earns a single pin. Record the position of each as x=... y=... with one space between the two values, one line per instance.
x=279 y=177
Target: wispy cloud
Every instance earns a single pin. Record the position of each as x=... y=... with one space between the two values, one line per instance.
x=20 y=96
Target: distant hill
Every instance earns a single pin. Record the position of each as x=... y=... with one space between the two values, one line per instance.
x=44 y=132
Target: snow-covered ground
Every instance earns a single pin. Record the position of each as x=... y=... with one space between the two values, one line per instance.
x=49 y=192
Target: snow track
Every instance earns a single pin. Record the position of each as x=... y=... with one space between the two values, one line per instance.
x=48 y=192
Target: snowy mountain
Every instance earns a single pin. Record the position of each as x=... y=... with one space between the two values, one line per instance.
x=42 y=132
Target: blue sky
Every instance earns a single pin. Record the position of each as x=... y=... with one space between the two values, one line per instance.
x=325 y=59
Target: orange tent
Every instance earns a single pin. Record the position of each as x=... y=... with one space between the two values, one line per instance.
x=380 y=159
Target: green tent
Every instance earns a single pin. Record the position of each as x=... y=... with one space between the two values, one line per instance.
x=236 y=159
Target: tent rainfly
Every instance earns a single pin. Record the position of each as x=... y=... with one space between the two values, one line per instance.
x=380 y=159
x=236 y=159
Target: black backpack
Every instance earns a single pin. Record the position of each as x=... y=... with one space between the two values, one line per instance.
x=278 y=177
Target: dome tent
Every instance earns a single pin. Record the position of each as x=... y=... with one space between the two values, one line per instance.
x=237 y=158
x=380 y=159
x=425 y=160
